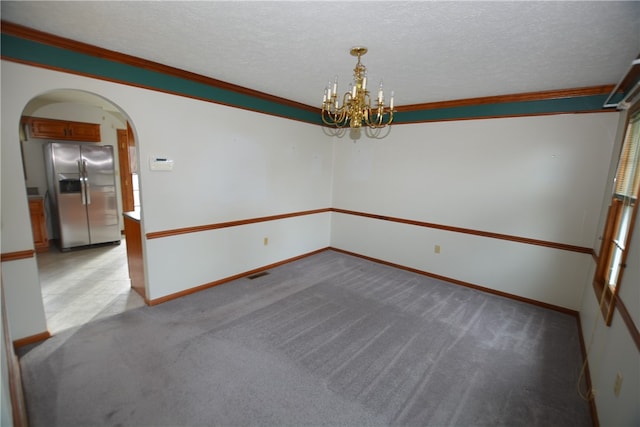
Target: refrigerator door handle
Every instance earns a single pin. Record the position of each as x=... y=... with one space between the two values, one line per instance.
x=87 y=188
x=83 y=192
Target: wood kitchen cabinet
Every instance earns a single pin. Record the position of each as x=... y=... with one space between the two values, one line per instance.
x=38 y=224
x=63 y=130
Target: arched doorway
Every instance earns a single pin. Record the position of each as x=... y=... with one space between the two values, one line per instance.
x=85 y=282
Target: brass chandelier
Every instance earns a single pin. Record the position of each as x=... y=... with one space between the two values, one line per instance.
x=357 y=109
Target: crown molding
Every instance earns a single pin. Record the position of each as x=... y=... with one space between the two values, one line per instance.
x=31 y=34
x=565 y=101
x=518 y=97
x=36 y=48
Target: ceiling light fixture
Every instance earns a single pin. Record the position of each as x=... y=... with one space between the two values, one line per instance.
x=356 y=109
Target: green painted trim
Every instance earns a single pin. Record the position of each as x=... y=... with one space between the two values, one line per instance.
x=32 y=52
x=576 y=104
x=51 y=56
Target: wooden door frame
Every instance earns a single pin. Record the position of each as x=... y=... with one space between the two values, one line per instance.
x=126 y=183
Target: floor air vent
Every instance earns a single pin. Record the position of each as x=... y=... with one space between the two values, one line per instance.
x=255 y=276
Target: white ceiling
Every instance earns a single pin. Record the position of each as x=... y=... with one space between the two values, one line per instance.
x=426 y=51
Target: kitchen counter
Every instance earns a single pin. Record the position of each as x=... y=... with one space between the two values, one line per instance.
x=133 y=237
x=134 y=215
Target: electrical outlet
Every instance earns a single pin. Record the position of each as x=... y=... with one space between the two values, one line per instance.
x=266 y=241
x=617 y=385
x=436 y=249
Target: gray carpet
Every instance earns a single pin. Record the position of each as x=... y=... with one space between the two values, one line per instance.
x=330 y=340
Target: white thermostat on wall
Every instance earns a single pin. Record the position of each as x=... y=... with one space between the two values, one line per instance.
x=160 y=164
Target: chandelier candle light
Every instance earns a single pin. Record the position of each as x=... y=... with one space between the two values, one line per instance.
x=356 y=109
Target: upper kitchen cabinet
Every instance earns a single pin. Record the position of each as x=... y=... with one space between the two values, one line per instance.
x=62 y=129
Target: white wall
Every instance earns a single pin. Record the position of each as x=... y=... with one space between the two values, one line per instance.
x=20 y=278
x=25 y=309
x=229 y=165
x=534 y=177
x=611 y=349
x=229 y=251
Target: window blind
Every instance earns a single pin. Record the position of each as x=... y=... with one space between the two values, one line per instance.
x=628 y=175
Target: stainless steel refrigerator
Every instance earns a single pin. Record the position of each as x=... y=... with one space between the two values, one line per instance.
x=82 y=193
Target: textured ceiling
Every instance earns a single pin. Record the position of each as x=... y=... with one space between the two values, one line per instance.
x=426 y=51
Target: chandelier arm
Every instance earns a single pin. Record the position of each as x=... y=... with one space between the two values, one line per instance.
x=390 y=116
x=341 y=115
x=327 y=117
x=379 y=121
x=336 y=118
x=376 y=122
x=325 y=121
x=333 y=123
x=346 y=100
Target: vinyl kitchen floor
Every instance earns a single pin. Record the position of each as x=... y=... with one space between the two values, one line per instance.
x=82 y=285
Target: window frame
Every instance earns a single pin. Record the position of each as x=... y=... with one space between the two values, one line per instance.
x=607 y=294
